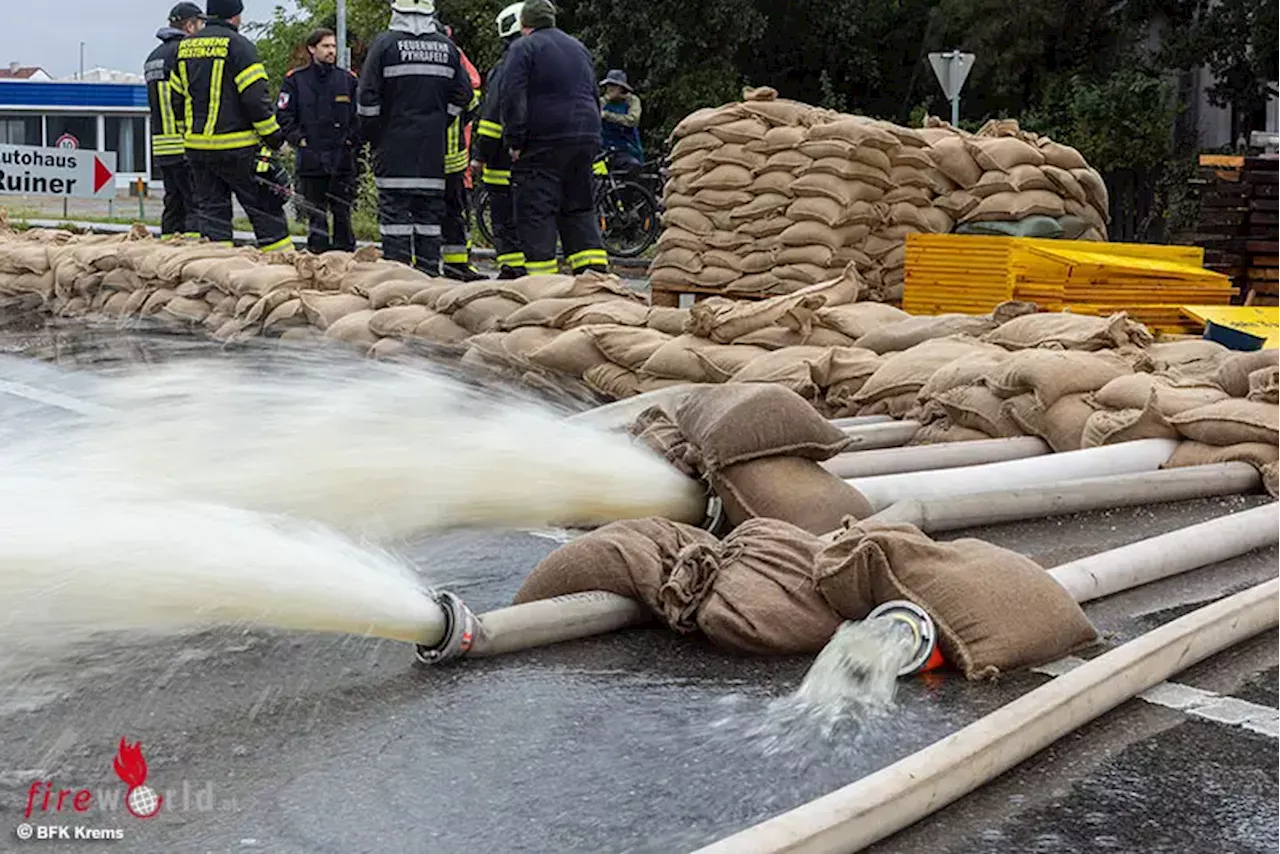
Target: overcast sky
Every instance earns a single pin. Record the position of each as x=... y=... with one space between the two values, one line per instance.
x=118 y=34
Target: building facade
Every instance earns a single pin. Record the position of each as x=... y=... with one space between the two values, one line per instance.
x=90 y=116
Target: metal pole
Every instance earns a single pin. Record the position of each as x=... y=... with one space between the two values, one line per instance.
x=81 y=76
x=344 y=56
x=954 y=61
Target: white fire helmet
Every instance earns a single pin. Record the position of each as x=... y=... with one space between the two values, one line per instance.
x=509 y=21
x=414 y=7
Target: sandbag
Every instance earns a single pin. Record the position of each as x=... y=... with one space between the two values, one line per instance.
x=1066 y=331
x=855 y=320
x=789 y=367
x=694 y=359
x=1263 y=385
x=1172 y=396
x=440 y=329
x=995 y=610
x=630 y=347
x=1061 y=425
x=738 y=423
x=573 y=352
x=353 y=328
x=1050 y=374
x=324 y=309
x=907 y=333
x=1192 y=359
x=908 y=371
x=613 y=381
x=1230 y=422
x=667 y=319
x=977 y=408
x=615 y=311
x=793 y=489
x=942 y=431
x=1257 y=454
x=1110 y=427
x=485 y=314
x=396 y=321
x=1233 y=372
x=724 y=320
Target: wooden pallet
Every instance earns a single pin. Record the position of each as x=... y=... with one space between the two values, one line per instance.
x=668 y=296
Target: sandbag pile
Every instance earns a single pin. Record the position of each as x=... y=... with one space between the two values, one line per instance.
x=770 y=588
x=769 y=195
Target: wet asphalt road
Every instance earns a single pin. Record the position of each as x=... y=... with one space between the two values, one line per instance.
x=265 y=741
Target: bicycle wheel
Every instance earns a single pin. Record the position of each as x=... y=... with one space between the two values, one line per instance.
x=482 y=213
x=629 y=219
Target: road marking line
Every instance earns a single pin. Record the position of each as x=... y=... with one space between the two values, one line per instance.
x=1195 y=702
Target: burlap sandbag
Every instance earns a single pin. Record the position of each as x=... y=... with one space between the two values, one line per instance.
x=629 y=558
x=353 y=328
x=694 y=359
x=968 y=370
x=908 y=371
x=1050 y=374
x=619 y=312
x=612 y=381
x=1172 y=395
x=440 y=329
x=1263 y=385
x=1066 y=331
x=1061 y=426
x=1233 y=372
x=1110 y=427
x=793 y=489
x=397 y=321
x=630 y=347
x=397 y=292
x=855 y=320
x=667 y=319
x=907 y=333
x=486 y=314
x=904 y=405
x=573 y=352
x=324 y=309
x=977 y=408
x=996 y=611
x=1230 y=422
x=724 y=320
x=258 y=280
x=789 y=367
x=843 y=373
x=1192 y=359
x=1263 y=457
x=738 y=423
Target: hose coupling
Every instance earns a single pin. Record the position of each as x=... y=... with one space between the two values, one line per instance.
x=925 y=656
x=461 y=628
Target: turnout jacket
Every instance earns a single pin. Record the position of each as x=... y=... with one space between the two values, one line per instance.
x=549 y=92
x=317 y=113
x=458 y=140
x=411 y=89
x=221 y=88
x=166 y=125
x=489 y=148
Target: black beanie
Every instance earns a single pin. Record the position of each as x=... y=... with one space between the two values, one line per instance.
x=538 y=14
x=224 y=9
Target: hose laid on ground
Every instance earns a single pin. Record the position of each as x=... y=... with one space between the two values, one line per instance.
x=851 y=818
x=865 y=437
x=548 y=621
x=619 y=414
x=1076 y=496
x=860 y=420
x=1170 y=554
x=928 y=457
x=1124 y=458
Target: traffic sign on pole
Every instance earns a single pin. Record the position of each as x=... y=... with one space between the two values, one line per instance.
x=952 y=69
x=68 y=172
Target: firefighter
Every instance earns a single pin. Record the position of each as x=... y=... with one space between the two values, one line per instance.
x=167 y=150
x=317 y=113
x=220 y=90
x=495 y=160
x=551 y=123
x=412 y=87
x=457 y=238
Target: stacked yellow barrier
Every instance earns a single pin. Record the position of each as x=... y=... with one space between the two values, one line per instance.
x=973 y=274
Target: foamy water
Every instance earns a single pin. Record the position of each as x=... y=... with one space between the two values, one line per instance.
x=847 y=692
x=373 y=450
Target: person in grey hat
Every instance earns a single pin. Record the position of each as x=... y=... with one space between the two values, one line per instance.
x=168 y=152
x=620 y=117
x=551 y=123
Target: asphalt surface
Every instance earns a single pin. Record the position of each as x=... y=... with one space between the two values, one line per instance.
x=639 y=741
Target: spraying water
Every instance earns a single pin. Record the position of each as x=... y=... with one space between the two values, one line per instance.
x=850 y=685
x=373 y=450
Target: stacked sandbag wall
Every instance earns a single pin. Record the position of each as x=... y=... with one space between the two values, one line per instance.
x=768 y=195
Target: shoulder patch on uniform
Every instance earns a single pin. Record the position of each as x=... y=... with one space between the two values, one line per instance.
x=283 y=101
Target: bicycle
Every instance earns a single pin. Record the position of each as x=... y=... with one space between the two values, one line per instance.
x=629 y=212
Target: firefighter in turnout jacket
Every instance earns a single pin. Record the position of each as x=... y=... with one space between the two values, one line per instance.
x=457 y=237
x=167 y=150
x=411 y=89
x=551 y=123
x=317 y=112
x=220 y=90
x=494 y=157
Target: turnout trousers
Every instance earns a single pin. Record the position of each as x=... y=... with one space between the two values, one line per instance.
x=455 y=233
x=410 y=222
x=502 y=215
x=555 y=194
x=219 y=174
x=180 y=215
x=329 y=194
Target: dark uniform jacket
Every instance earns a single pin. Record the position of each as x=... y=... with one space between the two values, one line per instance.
x=490 y=149
x=549 y=92
x=411 y=89
x=166 y=125
x=221 y=88
x=317 y=112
